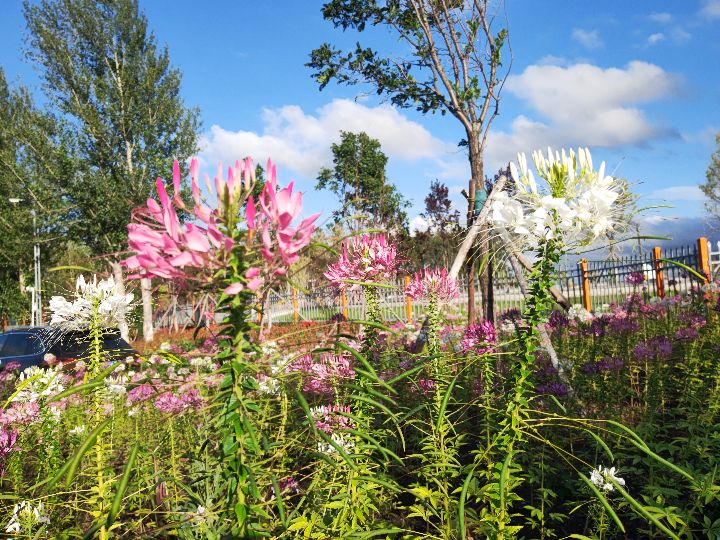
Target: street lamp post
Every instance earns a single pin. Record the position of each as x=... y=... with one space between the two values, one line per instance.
x=36 y=289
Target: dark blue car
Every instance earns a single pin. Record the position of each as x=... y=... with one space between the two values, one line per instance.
x=28 y=346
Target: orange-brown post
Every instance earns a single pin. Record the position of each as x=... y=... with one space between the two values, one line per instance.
x=659 y=281
x=250 y=235
x=296 y=314
x=704 y=258
x=585 y=280
x=343 y=304
x=408 y=303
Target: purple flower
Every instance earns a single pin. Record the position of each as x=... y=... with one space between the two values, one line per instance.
x=331 y=418
x=635 y=278
x=687 y=334
x=288 y=484
x=20 y=413
x=658 y=346
x=609 y=363
x=554 y=388
x=557 y=320
x=435 y=283
x=140 y=393
x=8 y=438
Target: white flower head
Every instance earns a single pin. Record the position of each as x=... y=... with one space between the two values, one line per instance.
x=570 y=202
x=580 y=313
x=26 y=517
x=603 y=478
x=94 y=300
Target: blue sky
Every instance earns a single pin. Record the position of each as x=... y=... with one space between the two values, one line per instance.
x=638 y=82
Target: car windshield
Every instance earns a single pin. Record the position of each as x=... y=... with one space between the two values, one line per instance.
x=20 y=344
x=78 y=344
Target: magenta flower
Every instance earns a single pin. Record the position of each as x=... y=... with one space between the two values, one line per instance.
x=330 y=418
x=429 y=283
x=320 y=377
x=635 y=278
x=278 y=208
x=369 y=259
x=166 y=248
x=479 y=338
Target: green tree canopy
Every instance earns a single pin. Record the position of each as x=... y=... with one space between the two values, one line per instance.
x=359 y=180
x=711 y=187
x=103 y=69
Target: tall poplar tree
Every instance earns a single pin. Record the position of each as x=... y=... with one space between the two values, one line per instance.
x=104 y=70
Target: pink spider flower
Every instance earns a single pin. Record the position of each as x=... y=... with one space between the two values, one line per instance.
x=320 y=377
x=479 y=338
x=166 y=248
x=366 y=258
x=276 y=210
x=429 y=283
x=329 y=418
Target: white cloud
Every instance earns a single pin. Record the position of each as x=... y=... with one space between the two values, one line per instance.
x=711 y=9
x=660 y=17
x=678 y=193
x=590 y=39
x=301 y=142
x=655 y=38
x=418 y=224
x=583 y=104
x=706 y=136
x=552 y=60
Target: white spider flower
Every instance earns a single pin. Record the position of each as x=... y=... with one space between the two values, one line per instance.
x=603 y=478
x=111 y=308
x=342 y=441
x=580 y=313
x=41 y=384
x=573 y=205
x=27 y=517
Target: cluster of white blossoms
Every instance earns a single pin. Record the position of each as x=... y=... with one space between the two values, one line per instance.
x=38 y=384
x=580 y=313
x=344 y=442
x=96 y=301
x=27 y=517
x=572 y=203
x=603 y=478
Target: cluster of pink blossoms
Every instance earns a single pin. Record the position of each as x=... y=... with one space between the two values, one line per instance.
x=432 y=283
x=479 y=338
x=278 y=208
x=168 y=402
x=320 y=377
x=367 y=259
x=330 y=418
x=166 y=248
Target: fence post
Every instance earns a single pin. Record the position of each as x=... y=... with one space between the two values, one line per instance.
x=408 y=302
x=296 y=313
x=343 y=303
x=659 y=282
x=585 y=280
x=704 y=258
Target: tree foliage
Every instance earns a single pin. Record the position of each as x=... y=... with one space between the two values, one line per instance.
x=104 y=71
x=359 y=180
x=711 y=187
x=34 y=156
x=436 y=245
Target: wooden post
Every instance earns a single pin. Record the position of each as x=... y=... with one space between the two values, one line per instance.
x=585 y=285
x=343 y=304
x=296 y=314
x=659 y=282
x=408 y=303
x=704 y=259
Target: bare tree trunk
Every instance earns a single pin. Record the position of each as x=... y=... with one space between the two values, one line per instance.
x=146 y=292
x=120 y=289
